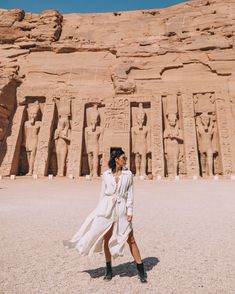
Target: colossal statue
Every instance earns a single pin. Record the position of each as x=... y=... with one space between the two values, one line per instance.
x=205 y=133
x=140 y=142
x=93 y=134
x=173 y=137
x=62 y=139
x=30 y=136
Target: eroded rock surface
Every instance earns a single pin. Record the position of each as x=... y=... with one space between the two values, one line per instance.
x=176 y=63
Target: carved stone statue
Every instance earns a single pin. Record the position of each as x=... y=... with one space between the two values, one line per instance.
x=173 y=137
x=120 y=80
x=30 y=137
x=205 y=133
x=62 y=139
x=93 y=133
x=140 y=142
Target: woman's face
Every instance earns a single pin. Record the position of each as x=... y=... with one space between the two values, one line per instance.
x=121 y=160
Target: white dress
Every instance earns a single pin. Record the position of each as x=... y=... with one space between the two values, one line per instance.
x=115 y=203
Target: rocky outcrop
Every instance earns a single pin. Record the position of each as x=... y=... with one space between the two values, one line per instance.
x=181 y=56
x=18 y=26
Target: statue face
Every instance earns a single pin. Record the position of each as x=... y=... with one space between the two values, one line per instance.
x=93 y=122
x=172 y=118
x=205 y=119
x=32 y=115
x=140 y=121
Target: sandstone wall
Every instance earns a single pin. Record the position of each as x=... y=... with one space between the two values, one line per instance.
x=75 y=86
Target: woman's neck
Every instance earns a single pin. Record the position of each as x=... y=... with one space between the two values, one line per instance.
x=117 y=169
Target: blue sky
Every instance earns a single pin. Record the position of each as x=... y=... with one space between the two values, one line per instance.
x=79 y=6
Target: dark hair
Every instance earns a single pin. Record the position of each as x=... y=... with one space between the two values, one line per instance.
x=114 y=154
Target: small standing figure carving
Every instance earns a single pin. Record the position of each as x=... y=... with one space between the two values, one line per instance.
x=140 y=142
x=173 y=137
x=30 y=137
x=62 y=140
x=205 y=133
x=93 y=133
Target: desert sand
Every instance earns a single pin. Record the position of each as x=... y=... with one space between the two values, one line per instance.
x=185 y=231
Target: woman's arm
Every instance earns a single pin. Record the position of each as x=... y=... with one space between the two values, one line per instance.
x=130 y=197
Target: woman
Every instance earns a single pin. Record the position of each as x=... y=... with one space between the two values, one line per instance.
x=111 y=220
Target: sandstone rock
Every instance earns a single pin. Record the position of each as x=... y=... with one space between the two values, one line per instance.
x=176 y=65
x=15 y=25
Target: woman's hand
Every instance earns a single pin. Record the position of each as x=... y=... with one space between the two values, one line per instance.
x=129 y=218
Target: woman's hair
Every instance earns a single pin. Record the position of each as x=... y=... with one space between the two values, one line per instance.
x=114 y=154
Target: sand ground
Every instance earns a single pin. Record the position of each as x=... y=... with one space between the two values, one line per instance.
x=185 y=232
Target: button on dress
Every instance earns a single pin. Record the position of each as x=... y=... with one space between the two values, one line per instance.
x=115 y=203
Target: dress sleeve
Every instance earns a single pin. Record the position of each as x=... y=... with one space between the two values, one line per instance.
x=102 y=189
x=130 y=197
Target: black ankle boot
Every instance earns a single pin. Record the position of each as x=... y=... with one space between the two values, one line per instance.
x=141 y=273
x=109 y=273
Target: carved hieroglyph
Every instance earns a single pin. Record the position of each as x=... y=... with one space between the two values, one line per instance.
x=92 y=73
x=116 y=128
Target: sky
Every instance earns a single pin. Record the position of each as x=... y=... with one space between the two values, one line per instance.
x=85 y=6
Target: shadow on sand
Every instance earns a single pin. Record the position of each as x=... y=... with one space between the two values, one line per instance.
x=127 y=269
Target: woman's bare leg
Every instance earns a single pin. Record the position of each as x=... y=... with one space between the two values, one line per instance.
x=107 y=236
x=134 y=248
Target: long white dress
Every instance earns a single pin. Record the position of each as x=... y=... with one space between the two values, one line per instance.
x=115 y=203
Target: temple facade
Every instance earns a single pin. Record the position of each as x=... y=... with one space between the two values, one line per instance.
x=158 y=84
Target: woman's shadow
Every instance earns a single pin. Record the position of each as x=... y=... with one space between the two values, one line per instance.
x=127 y=269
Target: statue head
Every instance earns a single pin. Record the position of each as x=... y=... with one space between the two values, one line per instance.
x=140 y=115
x=94 y=115
x=32 y=110
x=205 y=119
x=64 y=106
x=172 y=119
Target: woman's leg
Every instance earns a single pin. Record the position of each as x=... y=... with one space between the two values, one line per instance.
x=107 y=236
x=134 y=248
x=136 y=254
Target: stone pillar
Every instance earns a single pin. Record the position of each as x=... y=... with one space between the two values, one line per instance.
x=190 y=136
x=13 y=142
x=157 y=137
x=222 y=113
x=44 y=139
x=75 y=149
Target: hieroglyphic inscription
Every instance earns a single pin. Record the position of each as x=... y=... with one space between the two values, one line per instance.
x=191 y=156
x=157 y=139
x=224 y=139
x=116 y=115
